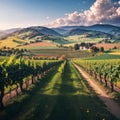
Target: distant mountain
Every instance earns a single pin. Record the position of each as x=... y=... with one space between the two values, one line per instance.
x=29 y=32
x=103 y=28
x=67 y=28
x=40 y=32
x=8 y=31
x=88 y=33
x=97 y=27
x=76 y=31
x=64 y=29
x=37 y=30
x=60 y=30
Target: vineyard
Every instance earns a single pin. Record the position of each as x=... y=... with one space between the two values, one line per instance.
x=51 y=89
x=59 y=52
x=16 y=72
x=106 y=71
x=62 y=94
x=105 y=56
x=60 y=60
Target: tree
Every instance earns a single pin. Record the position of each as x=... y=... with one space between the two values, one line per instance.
x=76 y=47
x=95 y=49
x=101 y=49
x=83 y=44
x=63 y=57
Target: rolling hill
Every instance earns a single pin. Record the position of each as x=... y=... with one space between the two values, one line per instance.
x=103 y=28
x=97 y=30
x=97 y=27
x=88 y=33
x=9 y=31
x=61 y=35
x=28 y=35
x=36 y=31
x=76 y=31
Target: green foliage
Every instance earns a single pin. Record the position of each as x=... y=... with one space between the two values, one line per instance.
x=107 y=69
x=15 y=70
x=101 y=49
x=76 y=47
x=62 y=67
x=105 y=56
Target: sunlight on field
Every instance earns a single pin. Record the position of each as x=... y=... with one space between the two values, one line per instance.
x=11 y=42
x=108 y=45
x=81 y=38
x=38 y=45
x=115 y=53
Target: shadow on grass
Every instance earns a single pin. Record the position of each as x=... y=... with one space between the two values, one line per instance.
x=80 y=106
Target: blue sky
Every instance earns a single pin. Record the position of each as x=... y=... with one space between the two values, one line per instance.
x=23 y=13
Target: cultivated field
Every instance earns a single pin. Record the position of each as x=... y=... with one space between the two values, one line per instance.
x=44 y=45
x=108 y=46
x=105 y=56
x=63 y=95
x=59 y=52
x=115 y=52
x=81 y=38
x=54 y=89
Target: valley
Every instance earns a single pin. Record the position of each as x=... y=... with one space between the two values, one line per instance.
x=60 y=36
x=59 y=59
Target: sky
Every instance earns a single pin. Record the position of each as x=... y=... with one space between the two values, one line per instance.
x=54 y=13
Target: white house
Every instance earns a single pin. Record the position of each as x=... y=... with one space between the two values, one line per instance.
x=83 y=48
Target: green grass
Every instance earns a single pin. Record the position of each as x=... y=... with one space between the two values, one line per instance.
x=82 y=38
x=105 y=56
x=58 y=97
x=38 y=47
x=114 y=52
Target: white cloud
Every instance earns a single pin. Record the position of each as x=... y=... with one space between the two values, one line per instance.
x=102 y=11
x=118 y=2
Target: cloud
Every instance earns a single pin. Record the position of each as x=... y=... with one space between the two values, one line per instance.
x=102 y=11
x=118 y=2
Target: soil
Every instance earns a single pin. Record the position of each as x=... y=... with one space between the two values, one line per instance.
x=111 y=105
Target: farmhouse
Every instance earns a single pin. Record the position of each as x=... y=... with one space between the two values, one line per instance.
x=83 y=48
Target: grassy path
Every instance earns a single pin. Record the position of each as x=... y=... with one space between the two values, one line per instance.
x=57 y=97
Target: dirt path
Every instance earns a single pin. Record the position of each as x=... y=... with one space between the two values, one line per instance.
x=112 y=106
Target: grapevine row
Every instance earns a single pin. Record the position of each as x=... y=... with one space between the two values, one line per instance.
x=16 y=71
x=106 y=71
